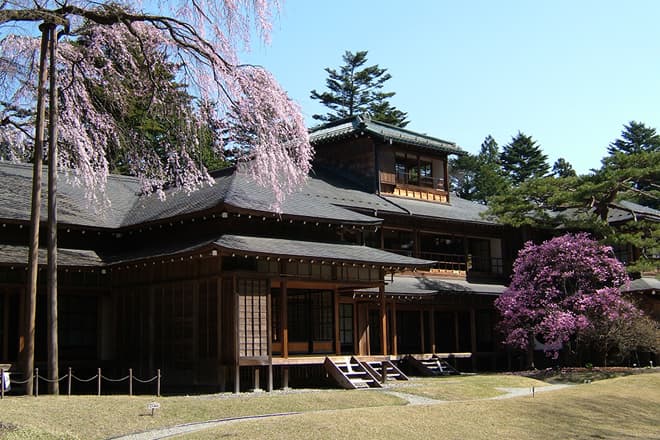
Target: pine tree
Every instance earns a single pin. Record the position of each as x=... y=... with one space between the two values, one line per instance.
x=479 y=177
x=635 y=138
x=356 y=90
x=563 y=168
x=522 y=159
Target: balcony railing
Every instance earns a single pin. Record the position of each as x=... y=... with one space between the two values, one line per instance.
x=413 y=180
x=459 y=262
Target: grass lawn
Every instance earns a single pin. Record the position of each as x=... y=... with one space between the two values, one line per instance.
x=623 y=408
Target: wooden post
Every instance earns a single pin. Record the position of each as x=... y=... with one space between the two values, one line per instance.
x=257 y=384
x=284 y=319
x=456 y=336
x=98 y=385
x=383 y=319
x=36 y=382
x=395 y=342
x=130 y=381
x=336 y=313
x=2 y=383
x=158 y=383
x=432 y=325
x=285 y=378
x=473 y=338
x=421 y=331
x=269 y=332
x=237 y=368
x=68 y=384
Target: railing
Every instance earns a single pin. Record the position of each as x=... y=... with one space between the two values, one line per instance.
x=412 y=179
x=446 y=261
x=458 y=262
x=99 y=377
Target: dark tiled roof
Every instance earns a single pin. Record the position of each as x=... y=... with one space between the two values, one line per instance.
x=361 y=124
x=625 y=210
x=73 y=207
x=425 y=286
x=314 y=200
x=307 y=249
x=643 y=284
x=458 y=209
x=12 y=254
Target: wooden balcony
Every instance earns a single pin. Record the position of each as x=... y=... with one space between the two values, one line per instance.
x=413 y=186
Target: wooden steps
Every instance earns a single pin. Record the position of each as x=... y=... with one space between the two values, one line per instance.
x=349 y=373
x=392 y=372
x=433 y=366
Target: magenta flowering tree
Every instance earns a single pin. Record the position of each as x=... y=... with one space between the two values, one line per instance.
x=560 y=290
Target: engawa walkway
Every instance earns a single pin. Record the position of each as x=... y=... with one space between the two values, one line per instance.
x=411 y=398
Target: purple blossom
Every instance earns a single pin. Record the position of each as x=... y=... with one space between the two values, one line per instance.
x=559 y=288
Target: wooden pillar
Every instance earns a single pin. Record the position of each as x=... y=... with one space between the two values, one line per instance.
x=151 y=322
x=432 y=329
x=456 y=335
x=421 y=331
x=237 y=367
x=383 y=319
x=284 y=319
x=5 y=328
x=285 y=377
x=395 y=335
x=221 y=373
x=473 y=338
x=269 y=333
x=446 y=178
x=195 y=326
x=257 y=384
x=336 y=321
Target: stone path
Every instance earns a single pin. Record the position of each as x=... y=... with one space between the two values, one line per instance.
x=412 y=399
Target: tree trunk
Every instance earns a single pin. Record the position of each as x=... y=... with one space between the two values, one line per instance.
x=530 y=352
x=53 y=351
x=35 y=213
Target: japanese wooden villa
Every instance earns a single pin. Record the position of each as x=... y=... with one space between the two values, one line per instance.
x=372 y=258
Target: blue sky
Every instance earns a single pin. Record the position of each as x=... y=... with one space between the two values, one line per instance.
x=568 y=73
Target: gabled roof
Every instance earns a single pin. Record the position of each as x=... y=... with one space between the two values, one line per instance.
x=323 y=197
x=362 y=124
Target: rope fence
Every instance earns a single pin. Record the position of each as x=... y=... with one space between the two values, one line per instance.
x=5 y=382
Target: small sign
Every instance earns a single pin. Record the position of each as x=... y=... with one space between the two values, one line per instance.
x=153 y=406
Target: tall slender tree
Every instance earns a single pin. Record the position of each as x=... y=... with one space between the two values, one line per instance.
x=523 y=159
x=356 y=89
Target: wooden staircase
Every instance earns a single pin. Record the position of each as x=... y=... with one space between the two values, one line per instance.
x=349 y=373
x=433 y=366
x=376 y=368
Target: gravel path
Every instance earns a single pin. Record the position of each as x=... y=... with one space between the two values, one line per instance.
x=412 y=399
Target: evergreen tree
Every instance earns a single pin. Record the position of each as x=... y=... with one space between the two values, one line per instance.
x=522 y=159
x=355 y=89
x=584 y=202
x=563 y=168
x=635 y=138
x=479 y=177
